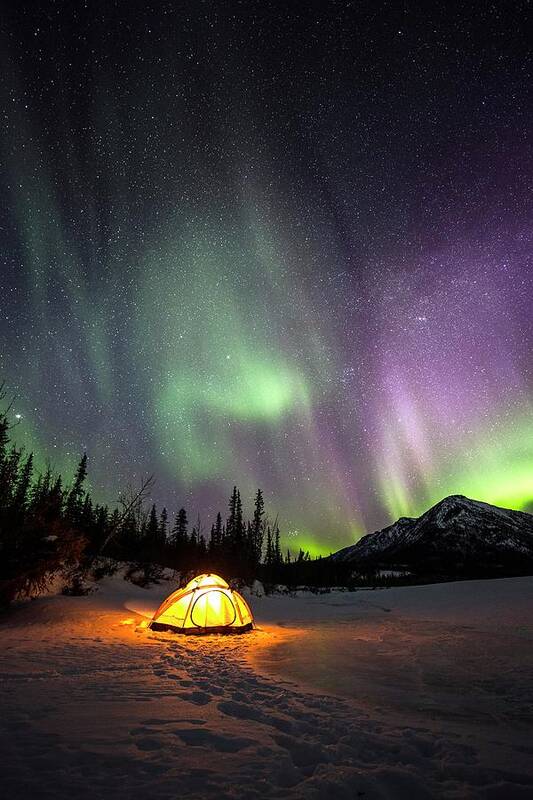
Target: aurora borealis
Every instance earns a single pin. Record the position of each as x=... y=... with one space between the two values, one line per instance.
x=272 y=245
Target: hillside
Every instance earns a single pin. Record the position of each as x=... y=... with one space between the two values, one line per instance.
x=455 y=536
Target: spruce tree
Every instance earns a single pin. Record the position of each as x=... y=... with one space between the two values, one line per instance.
x=257 y=528
x=239 y=524
x=277 y=556
x=163 y=526
x=9 y=472
x=269 y=555
x=152 y=529
x=219 y=532
x=22 y=492
x=4 y=436
x=201 y=549
x=102 y=522
x=178 y=536
x=216 y=534
x=230 y=524
x=75 y=495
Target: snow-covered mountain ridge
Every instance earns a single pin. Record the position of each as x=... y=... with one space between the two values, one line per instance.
x=453 y=532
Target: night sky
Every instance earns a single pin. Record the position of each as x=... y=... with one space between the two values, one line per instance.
x=284 y=245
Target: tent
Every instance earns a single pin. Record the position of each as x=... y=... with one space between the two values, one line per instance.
x=205 y=605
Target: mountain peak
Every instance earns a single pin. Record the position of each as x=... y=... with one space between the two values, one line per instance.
x=457 y=535
x=454 y=498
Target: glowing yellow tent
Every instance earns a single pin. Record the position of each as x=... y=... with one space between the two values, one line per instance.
x=205 y=605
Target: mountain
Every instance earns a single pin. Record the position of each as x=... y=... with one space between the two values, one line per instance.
x=457 y=536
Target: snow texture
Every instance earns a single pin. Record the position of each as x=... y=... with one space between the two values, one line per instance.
x=415 y=692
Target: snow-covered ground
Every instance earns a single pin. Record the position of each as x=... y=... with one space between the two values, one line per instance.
x=418 y=692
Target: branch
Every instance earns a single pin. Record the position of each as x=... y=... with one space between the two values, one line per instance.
x=5 y=411
x=145 y=486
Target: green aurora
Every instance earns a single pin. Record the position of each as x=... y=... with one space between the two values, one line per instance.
x=194 y=290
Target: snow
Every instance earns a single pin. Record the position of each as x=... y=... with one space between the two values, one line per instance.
x=412 y=692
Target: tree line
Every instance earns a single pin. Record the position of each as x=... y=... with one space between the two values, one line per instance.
x=50 y=529
x=237 y=547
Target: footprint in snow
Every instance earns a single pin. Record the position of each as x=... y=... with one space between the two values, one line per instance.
x=222 y=743
x=197 y=697
x=243 y=711
x=148 y=743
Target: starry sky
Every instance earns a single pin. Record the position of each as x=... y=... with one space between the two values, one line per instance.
x=276 y=244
